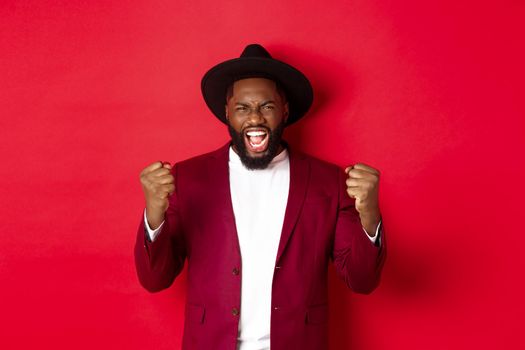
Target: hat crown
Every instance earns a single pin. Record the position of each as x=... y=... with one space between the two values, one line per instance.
x=256 y=61
x=255 y=50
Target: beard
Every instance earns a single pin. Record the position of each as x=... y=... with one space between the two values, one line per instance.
x=260 y=162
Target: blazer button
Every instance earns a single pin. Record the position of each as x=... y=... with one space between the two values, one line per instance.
x=235 y=311
x=235 y=271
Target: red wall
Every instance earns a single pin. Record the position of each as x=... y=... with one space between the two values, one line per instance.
x=429 y=93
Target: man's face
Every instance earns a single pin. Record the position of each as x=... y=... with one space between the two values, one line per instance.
x=256 y=114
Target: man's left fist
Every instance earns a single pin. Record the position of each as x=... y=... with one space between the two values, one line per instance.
x=363 y=185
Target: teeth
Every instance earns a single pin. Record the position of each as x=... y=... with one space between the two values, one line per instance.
x=256 y=133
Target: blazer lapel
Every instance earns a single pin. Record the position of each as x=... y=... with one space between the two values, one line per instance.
x=219 y=180
x=299 y=177
x=220 y=183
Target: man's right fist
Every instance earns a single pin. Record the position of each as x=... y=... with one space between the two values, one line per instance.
x=157 y=184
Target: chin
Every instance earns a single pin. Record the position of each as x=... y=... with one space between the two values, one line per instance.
x=257 y=154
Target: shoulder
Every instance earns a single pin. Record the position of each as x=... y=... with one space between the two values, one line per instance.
x=203 y=160
x=197 y=169
x=323 y=176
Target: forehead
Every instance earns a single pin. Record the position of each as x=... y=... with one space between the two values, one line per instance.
x=250 y=86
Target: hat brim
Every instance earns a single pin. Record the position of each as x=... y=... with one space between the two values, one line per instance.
x=298 y=89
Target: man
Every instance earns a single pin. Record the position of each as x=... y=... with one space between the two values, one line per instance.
x=257 y=220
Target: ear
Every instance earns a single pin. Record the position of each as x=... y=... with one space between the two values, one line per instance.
x=286 y=112
x=226 y=111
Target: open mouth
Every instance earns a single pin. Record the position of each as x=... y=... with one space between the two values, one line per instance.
x=256 y=140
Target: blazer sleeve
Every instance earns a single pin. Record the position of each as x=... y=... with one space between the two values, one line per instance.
x=357 y=260
x=159 y=262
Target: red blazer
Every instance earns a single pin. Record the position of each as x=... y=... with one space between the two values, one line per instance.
x=320 y=224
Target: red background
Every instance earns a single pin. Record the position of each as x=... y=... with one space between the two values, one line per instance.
x=431 y=93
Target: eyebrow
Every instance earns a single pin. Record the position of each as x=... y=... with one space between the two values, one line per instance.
x=262 y=104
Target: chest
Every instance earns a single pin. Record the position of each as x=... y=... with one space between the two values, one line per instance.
x=259 y=202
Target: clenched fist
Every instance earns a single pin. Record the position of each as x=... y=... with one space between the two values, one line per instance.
x=157 y=184
x=363 y=185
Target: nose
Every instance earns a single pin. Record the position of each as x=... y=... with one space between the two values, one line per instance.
x=255 y=117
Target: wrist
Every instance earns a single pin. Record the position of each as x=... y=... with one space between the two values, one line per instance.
x=370 y=223
x=154 y=217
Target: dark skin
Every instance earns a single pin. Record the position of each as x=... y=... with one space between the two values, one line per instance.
x=255 y=102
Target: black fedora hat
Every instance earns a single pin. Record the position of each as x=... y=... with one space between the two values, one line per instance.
x=255 y=61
